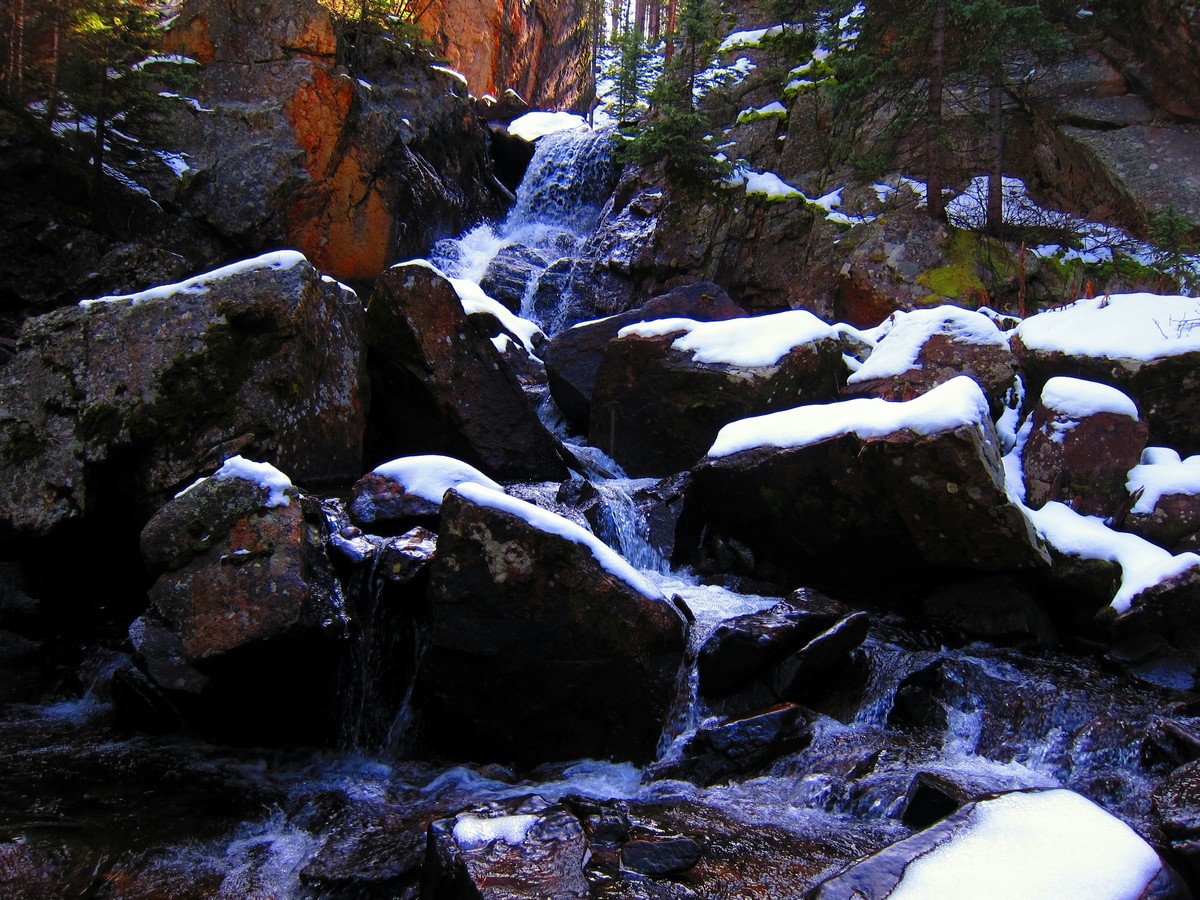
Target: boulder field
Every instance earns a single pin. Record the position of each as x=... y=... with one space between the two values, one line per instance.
x=914 y=472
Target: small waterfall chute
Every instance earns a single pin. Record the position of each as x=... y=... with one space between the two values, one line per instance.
x=558 y=207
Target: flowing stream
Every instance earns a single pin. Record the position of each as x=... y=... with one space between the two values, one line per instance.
x=99 y=812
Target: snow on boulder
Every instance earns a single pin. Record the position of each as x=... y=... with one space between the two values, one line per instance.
x=409 y=487
x=1150 y=577
x=574 y=355
x=1084 y=439
x=473 y=852
x=911 y=483
x=246 y=617
x=928 y=347
x=438 y=384
x=1052 y=843
x=115 y=403
x=1166 y=490
x=665 y=387
x=1143 y=344
x=542 y=643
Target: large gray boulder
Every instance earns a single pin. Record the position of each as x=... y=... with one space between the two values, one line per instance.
x=126 y=400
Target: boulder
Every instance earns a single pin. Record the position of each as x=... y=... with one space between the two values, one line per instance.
x=285 y=149
x=508 y=275
x=741 y=747
x=1166 y=498
x=928 y=347
x=121 y=402
x=1020 y=844
x=665 y=388
x=409 y=489
x=524 y=847
x=921 y=483
x=440 y=387
x=243 y=629
x=543 y=644
x=744 y=647
x=1120 y=341
x=1085 y=437
x=574 y=355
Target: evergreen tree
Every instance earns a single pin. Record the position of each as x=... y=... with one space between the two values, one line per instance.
x=915 y=58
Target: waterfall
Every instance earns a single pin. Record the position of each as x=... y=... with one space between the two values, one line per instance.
x=525 y=261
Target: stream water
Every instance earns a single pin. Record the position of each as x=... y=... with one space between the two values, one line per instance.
x=90 y=810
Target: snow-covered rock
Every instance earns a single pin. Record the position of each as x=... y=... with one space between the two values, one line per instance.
x=1142 y=344
x=1167 y=492
x=411 y=487
x=928 y=347
x=1023 y=844
x=665 y=387
x=919 y=483
x=1084 y=438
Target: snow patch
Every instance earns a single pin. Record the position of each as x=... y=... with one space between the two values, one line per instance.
x=958 y=402
x=279 y=260
x=429 y=477
x=474 y=832
x=752 y=341
x=1142 y=563
x=263 y=474
x=534 y=125
x=896 y=352
x=1139 y=327
x=1160 y=472
x=1079 y=399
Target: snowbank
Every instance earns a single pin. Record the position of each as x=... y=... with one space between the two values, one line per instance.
x=429 y=477
x=1140 y=327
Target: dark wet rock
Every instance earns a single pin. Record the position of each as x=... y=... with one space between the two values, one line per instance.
x=521 y=848
x=933 y=796
x=938 y=498
x=992 y=608
x=832 y=647
x=1082 y=459
x=368 y=852
x=575 y=354
x=1167 y=608
x=919 y=699
x=536 y=652
x=439 y=387
x=508 y=275
x=660 y=855
x=244 y=623
x=117 y=405
x=657 y=409
x=39 y=870
x=747 y=646
x=943 y=343
x=741 y=747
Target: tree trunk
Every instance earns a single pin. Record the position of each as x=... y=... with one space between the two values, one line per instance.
x=933 y=150
x=995 y=192
x=639 y=17
x=671 y=26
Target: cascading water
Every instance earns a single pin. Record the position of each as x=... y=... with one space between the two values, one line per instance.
x=527 y=258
